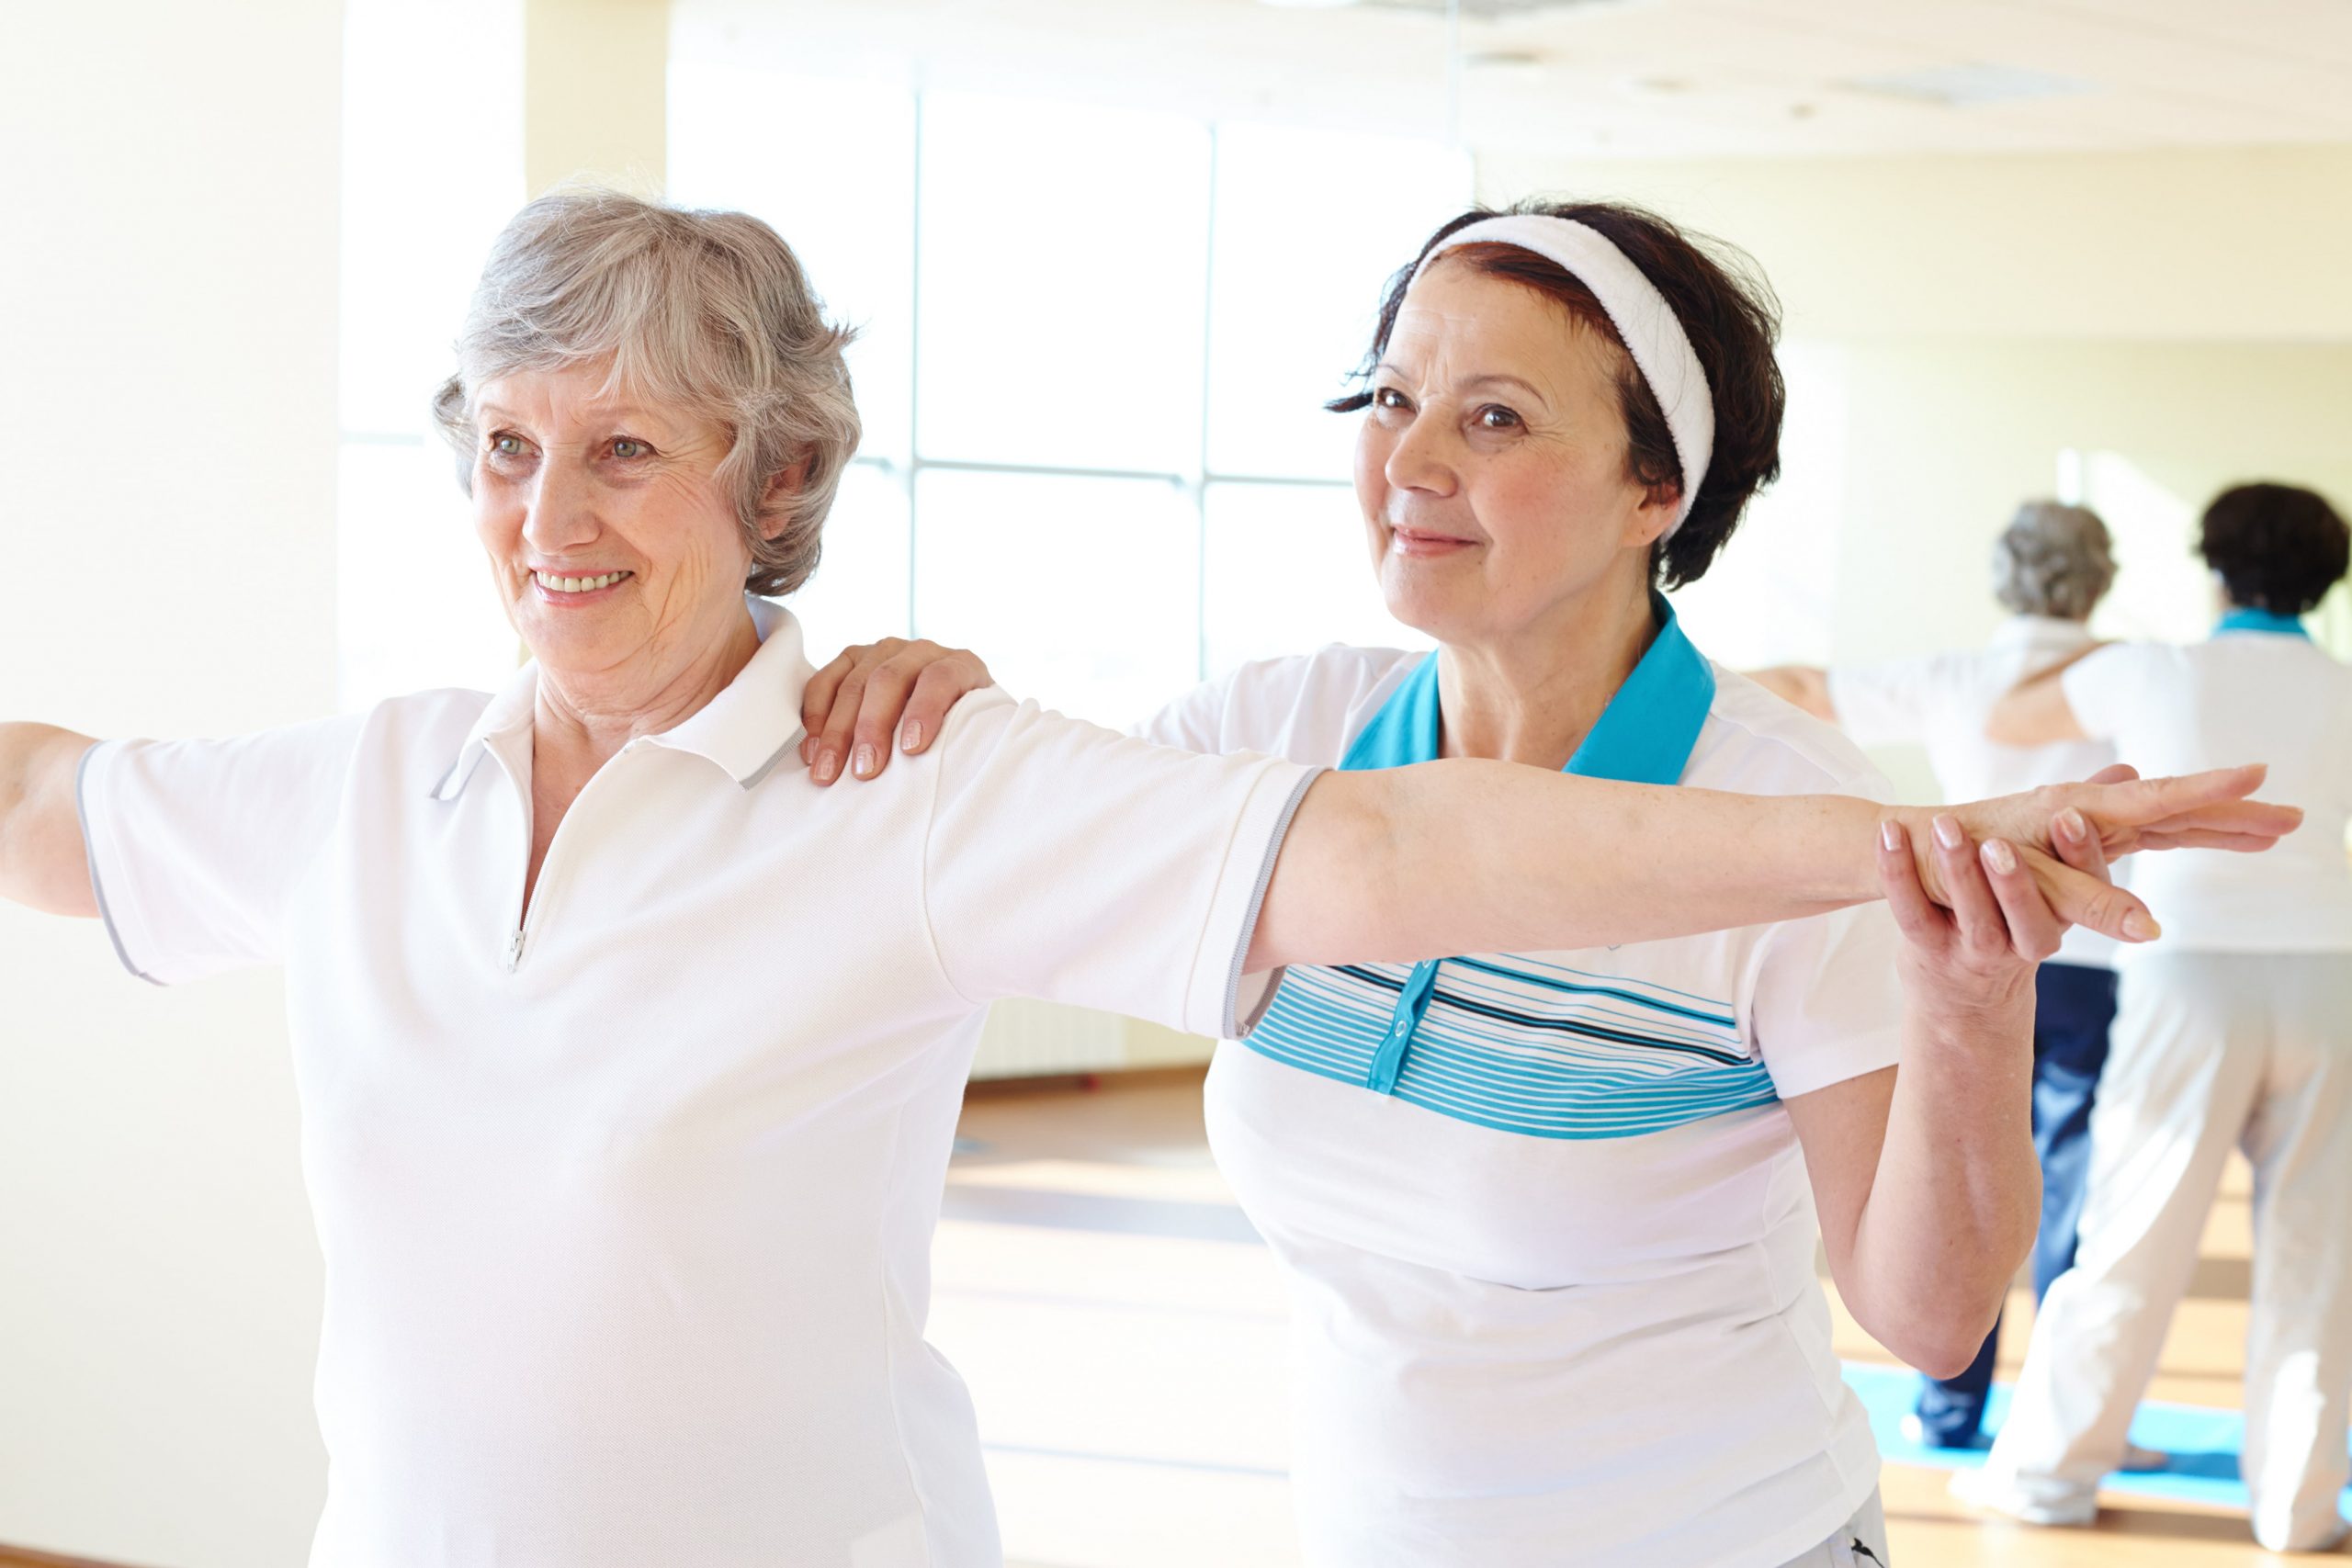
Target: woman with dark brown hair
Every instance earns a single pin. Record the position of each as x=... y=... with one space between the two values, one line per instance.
x=1550 y=1217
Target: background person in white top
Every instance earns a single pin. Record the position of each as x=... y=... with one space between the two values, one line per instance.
x=2050 y=567
x=1549 y=1216
x=2235 y=1031
x=630 y=1061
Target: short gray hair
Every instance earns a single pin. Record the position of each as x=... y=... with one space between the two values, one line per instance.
x=709 y=311
x=2053 y=559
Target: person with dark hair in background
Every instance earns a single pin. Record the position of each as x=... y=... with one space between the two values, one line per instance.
x=2052 y=566
x=1549 y=1217
x=2235 y=1031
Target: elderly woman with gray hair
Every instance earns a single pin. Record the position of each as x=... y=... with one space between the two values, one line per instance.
x=629 y=1060
x=2050 y=567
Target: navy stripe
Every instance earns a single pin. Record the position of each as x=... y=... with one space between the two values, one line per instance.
x=1565 y=1025
x=1725 y=1019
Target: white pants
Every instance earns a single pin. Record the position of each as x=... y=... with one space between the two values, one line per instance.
x=1860 y=1542
x=2210 y=1050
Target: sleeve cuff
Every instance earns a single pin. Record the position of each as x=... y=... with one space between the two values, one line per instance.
x=1218 y=993
x=103 y=868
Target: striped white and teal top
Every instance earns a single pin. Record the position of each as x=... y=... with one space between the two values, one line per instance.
x=1550 y=1233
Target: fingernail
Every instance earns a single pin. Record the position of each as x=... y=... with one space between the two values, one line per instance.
x=911 y=737
x=829 y=765
x=2000 y=857
x=2070 y=824
x=1890 y=833
x=1948 y=831
x=806 y=743
x=862 y=762
x=2139 y=927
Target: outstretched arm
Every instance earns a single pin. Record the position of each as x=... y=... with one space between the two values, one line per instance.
x=2035 y=712
x=1805 y=685
x=42 y=862
x=1477 y=856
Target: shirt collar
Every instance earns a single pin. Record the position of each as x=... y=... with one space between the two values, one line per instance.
x=745 y=729
x=2245 y=620
x=1644 y=736
x=2042 y=630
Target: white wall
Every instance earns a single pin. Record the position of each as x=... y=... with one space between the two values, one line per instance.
x=167 y=382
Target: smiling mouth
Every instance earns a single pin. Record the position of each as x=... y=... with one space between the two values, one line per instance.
x=550 y=583
x=1408 y=542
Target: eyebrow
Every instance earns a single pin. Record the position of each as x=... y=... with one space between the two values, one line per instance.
x=1490 y=379
x=623 y=413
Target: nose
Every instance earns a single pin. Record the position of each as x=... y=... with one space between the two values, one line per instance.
x=1419 y=459
x=562 y=514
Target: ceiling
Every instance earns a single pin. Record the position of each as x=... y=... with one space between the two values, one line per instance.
x=1630 y=78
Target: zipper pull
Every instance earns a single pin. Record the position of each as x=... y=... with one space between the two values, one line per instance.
x=515 y=951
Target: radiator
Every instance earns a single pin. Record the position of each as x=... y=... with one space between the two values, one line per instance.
x=1027 y=1039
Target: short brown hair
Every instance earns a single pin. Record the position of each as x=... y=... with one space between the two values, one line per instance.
x=1727 y=311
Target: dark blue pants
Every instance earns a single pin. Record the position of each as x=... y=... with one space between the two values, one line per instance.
x=2074 y=1007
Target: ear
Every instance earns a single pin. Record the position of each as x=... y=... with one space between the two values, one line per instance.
x=1654 y=516
x=781 y=488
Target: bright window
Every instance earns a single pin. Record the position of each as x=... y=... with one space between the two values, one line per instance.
x=1096 y=344
x=428 y=182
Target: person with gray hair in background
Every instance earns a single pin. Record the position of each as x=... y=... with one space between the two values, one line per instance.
x=2050 y=567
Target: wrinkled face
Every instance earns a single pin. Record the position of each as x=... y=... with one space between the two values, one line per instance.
x=1491 y=465
x=615 y=551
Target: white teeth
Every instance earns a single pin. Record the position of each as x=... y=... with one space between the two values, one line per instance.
x=577 y=584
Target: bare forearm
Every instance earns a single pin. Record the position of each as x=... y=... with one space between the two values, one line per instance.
x=1957 y=1196
x=1471 y=856
x=42 y=862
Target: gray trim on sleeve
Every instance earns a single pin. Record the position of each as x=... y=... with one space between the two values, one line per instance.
x=1231 y=1029
x=90 y=851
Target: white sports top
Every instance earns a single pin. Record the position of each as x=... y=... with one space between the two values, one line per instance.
x=1941 y=701
x=1549 y=1234
x=2260 y=691
x=627 y=1200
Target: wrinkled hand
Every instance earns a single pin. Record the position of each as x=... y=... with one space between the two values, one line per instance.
x=1970 y=965
x=2115 y=812
x=851 y=705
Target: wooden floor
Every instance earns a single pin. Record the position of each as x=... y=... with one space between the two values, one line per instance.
x=1122 y=1332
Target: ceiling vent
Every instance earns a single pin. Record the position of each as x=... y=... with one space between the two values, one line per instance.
x=1967 y=87
x=1472 y=10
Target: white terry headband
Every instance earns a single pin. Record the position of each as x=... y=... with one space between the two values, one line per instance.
x=1652 y=332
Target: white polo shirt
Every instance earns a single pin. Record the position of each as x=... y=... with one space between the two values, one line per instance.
x=2259 y=692
x=626 y=1202
x=1545 y=1220
x=1941 y=702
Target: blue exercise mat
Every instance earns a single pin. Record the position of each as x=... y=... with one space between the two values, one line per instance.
x=2204 y=1443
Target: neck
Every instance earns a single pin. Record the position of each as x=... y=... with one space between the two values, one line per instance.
x=582 y=719
x=1533 y=696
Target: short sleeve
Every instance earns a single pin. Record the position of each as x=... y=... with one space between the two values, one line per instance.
x=1193 y=722
x=196 y=846
x=1072 y=863
x=1826 y=1005
x=2101 y=688
x=1886 y=704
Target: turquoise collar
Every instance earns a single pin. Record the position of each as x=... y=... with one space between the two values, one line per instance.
x=2261 y=621
x=1644 y=735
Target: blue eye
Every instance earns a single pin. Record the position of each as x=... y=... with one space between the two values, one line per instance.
x=628 y=448
x=506 y=446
